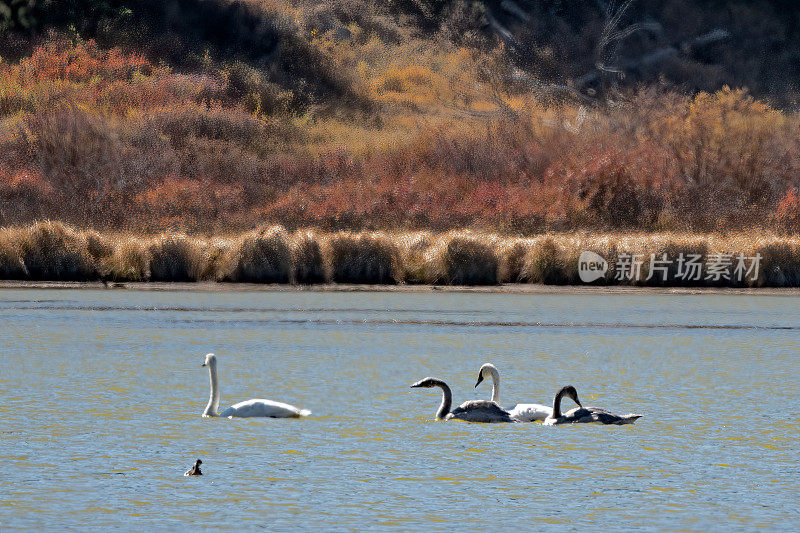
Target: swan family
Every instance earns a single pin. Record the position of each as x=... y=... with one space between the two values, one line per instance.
x=485 y=411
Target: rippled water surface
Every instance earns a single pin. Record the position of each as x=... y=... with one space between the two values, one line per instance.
x=101 y=393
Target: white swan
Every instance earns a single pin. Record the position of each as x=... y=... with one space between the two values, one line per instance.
x=581 y=414
x=472 y=411
x=523 y=412
x=247 y=409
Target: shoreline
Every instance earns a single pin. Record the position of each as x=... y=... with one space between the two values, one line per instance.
x=511 y=288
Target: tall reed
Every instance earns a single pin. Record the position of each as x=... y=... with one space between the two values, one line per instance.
x=261 y=256
x=52 y=251
x=464 y=258
x=176 y=258
x=363 y=258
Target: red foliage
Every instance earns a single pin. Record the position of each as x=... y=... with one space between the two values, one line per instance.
x=787 y=214
x=81 y=62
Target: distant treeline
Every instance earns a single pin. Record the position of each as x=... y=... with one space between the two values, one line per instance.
x=51 y=251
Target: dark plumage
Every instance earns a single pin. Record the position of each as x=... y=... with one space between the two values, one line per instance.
x=195 y=470
x=581 y=414
x=471 y=411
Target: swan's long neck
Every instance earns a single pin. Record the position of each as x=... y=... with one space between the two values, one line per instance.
x=212 y=409
x=557 y=404
x=495 y=385
x=447 y=400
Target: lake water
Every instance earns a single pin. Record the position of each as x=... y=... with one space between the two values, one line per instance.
x=101 y=393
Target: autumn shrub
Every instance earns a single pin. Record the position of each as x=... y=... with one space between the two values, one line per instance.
x=780 y=264
x=544 y=262
x=464 y=258
x=52 y=251
x=731 y=154
x=127 y=143
x=176 y=257
x=182 y=124
x=12 y=265
x=309 y=258
x=258 y=95
x=363 y=258
x=129 y=262
x=261 y=256
x=787 y=213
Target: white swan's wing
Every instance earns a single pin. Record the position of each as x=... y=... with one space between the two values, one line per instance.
x=529 y=412
x=480 y=411
x=259 y=408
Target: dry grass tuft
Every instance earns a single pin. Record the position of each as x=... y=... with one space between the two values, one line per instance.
x=11 y=264
x=511 y=259
x=309 y=259
x=464 y=258
x=261 y=256
x=99 y=246
x=780 y=264
x=129 y=262
x=176 y=258
x=543 y=263
x=52 y=251
x=413 y=263
x=363 y=258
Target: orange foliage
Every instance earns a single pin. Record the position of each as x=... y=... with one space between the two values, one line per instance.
x=117 y=140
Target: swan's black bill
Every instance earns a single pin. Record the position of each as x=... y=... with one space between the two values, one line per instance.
x=480 y=379
x=427 y=383
x=570 y=392
x=203 y=364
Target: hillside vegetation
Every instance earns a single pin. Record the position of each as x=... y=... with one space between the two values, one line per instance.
x=514 y=116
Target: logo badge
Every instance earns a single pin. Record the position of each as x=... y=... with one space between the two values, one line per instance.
x=591 y=266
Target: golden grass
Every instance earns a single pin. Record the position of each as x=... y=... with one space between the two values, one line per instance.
x=413 y=247
x=129 y=262
x=54 y=251
x=177 y=258
x=12 y=265
x=464 y=258
x=309 y=264
x=261 y=256
x=363 y=258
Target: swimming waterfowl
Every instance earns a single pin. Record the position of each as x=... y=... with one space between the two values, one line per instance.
x=471 y=411
x=256 y=408
x=583 y=415
x=522 y=412
x=195 y=470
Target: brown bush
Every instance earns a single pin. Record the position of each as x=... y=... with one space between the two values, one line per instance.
x=52 y=251
x=309 y=259
x=463 y=258
x=262 y=256
x=363 y=258
x=176 y=258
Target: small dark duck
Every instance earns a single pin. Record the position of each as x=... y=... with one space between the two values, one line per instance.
x=195 y=470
